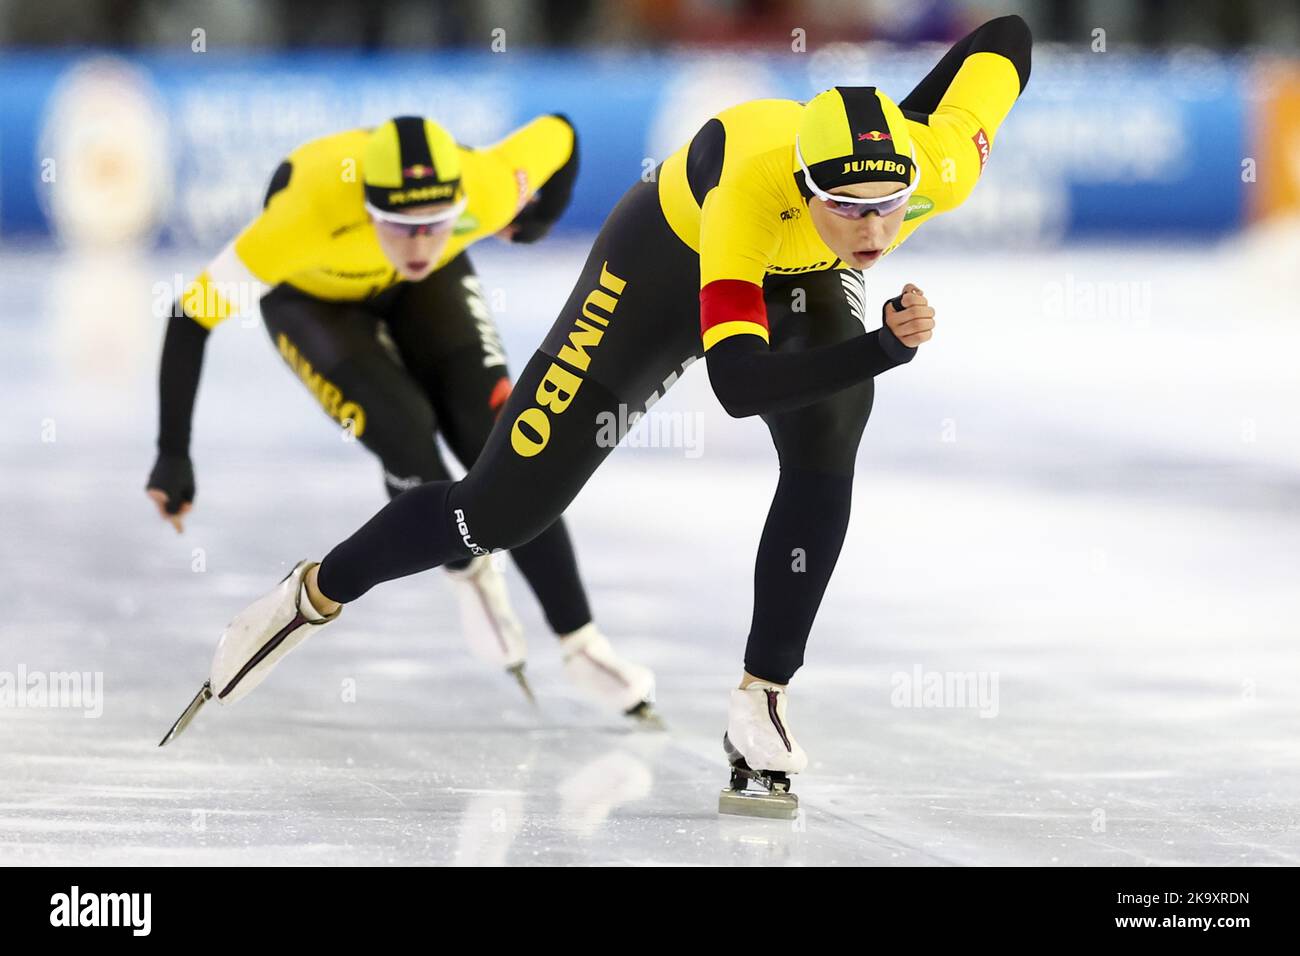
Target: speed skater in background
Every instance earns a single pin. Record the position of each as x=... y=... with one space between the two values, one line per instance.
x=371 y=300
x=769 y=199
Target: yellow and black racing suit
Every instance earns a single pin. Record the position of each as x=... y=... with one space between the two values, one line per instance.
x=392 y=361
x=717 y=258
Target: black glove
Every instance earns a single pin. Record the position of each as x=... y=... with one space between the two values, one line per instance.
x=535 y=220
x=173 y=475
x=890 y=342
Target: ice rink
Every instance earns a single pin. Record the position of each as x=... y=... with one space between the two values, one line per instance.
x=1083 y=492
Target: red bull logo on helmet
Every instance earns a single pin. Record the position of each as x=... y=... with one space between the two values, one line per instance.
x=875 y=136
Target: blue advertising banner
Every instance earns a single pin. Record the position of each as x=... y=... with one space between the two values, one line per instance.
x=179 y=148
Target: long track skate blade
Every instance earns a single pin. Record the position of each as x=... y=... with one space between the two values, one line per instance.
x=646 y=716
x=202 y=697
x=518 y=672
x=758 y=803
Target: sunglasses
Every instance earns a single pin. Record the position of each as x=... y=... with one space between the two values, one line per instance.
x=400 y=226
x=855 y=207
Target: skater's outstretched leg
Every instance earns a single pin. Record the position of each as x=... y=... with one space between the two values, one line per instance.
x=518 y=497
x=443 y=330
x=609 y=351
x=505 y=500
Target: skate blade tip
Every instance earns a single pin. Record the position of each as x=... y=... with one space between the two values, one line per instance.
x=187 y=715
x=644 y=715
x=744 y=803
x=517 y=672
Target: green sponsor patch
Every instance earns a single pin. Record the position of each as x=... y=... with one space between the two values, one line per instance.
x=466 y=223
x=918 y=206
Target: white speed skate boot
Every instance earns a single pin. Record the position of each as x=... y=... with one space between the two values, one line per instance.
x=607 y=679
x=255 y=641
x=761 y=750
x=487 y=620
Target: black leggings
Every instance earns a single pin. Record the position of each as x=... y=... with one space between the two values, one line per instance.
x=394 y=370
x=629 y=329
x=418 y=359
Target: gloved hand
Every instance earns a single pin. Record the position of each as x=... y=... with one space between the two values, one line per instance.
x=171 y=487
x=536 y=218
x=907 y=320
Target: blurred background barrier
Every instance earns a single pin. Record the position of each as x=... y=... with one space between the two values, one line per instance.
x=177 y=147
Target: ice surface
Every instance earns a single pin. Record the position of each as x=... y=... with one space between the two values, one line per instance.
x=1098 y=504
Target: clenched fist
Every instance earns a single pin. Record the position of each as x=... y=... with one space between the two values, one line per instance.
x=914 y=323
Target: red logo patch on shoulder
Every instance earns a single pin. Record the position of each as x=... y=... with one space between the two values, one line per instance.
x=981 y=141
